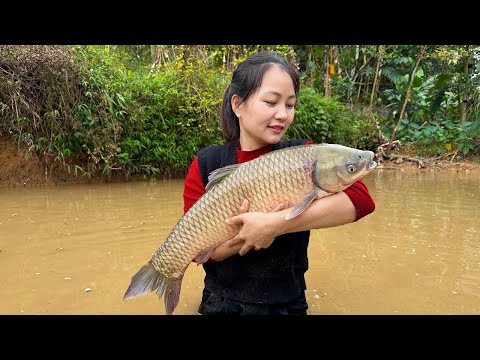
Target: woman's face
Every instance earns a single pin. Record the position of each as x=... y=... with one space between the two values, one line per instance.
x=268 y=113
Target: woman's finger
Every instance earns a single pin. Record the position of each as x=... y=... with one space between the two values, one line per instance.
x=245 y=248
x=279 y=207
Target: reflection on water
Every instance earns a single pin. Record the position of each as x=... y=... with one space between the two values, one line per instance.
x=73 y=249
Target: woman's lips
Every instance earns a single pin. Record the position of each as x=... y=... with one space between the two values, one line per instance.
x=277 y=129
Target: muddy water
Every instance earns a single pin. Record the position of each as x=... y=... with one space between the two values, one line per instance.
x=73 y=249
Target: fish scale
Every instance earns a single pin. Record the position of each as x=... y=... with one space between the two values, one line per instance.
x=293 y=176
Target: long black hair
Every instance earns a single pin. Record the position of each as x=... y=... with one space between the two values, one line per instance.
x=246 y=79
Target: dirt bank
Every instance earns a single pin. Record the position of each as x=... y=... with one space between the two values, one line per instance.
x=18 y=170
x=471 y=165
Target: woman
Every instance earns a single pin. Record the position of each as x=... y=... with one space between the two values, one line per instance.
x=258 y=108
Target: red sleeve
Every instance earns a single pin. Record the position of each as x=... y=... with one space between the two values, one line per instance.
x=193 y=190
x=361 y=199
x=359 y=196
x=193 y=187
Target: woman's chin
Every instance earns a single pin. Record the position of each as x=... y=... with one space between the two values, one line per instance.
x=273 y=138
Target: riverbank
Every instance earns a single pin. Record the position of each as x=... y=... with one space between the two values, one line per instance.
x=17 y=170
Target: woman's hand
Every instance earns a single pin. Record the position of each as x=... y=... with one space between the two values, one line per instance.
x=255 y=229
x=224 y=251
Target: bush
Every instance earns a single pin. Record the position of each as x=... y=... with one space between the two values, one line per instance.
x=86 y=109
x=325 y=120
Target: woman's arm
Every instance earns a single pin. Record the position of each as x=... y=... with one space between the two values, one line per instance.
x=193 y=187
x=258 y=230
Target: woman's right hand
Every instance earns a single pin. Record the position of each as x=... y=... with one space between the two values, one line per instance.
x=257 y=230
x=238 y=243
x=224 y=251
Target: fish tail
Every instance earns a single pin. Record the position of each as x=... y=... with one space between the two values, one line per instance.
x=171 y=289
x=148 y=279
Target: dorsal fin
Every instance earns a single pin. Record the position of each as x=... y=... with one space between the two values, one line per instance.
x=218 y=175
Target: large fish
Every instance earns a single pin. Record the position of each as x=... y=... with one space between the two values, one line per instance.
x=294 y=176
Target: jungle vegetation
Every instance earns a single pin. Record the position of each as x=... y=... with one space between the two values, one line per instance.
x=147 y=109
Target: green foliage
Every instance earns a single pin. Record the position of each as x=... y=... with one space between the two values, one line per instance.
x=393 y=74
x=439 y=136
x=38 y=95
x=152 y=121
x=95 y=112
x=147 y=109
x=325 y=120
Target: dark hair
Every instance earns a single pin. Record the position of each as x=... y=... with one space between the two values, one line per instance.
x=246 y=79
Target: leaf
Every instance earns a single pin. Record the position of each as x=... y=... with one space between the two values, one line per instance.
x=419 y=73
x=442 y=80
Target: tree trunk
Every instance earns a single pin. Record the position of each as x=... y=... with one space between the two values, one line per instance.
x=229 y=57
x=153 y=53
x=336 y=62
x=462 y=107
x=359 y=89
x=326 y=78
x=407 y=98
x=376 y=80
x=352 y=76
x=308 y=72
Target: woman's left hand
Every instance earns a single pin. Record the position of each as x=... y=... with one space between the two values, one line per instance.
x=257 y=230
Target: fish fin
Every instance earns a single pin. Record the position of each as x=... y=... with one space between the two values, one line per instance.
x=216 y=176
x=300 y=208
x=145 y=280
x=170 y=288
x=204 y=256
x=148 y=279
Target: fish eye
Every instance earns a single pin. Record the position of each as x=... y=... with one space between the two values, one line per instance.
x=351 y=168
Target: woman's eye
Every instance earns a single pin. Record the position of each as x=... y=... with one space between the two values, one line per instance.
x=271 y=103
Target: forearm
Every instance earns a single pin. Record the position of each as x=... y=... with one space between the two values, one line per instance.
x=329 y=211
x=326 y=212
x=224 y=251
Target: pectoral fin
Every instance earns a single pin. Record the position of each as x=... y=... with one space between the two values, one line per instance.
x=297 y=210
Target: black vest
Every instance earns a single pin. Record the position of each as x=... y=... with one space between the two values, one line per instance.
x=271 y=276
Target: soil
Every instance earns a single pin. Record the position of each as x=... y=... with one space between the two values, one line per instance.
x=16 y=169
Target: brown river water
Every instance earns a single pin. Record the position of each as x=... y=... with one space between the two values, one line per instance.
x=72 y=249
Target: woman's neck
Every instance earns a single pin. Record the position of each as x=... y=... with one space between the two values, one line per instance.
x=245 y=155
x=245 y=145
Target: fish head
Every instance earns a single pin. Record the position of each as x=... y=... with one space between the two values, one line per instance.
x=337 y=166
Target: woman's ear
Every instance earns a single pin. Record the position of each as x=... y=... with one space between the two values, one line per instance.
x=236 y=102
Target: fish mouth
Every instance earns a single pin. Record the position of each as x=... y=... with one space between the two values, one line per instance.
x=370 y=164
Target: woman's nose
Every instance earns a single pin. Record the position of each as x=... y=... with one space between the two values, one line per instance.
x=281 y=114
